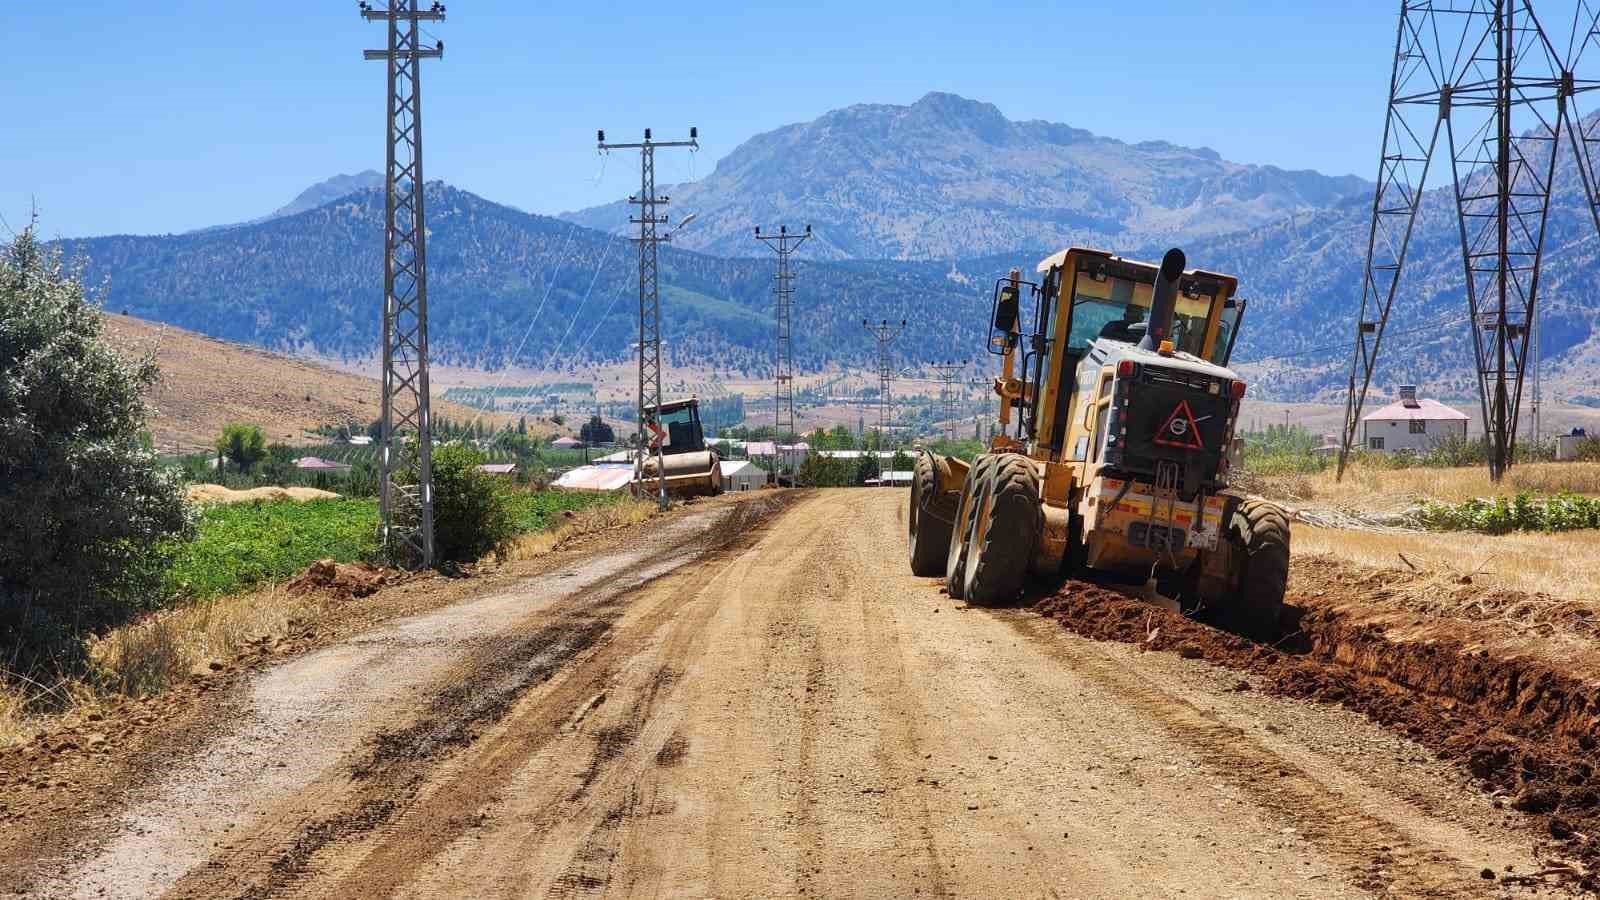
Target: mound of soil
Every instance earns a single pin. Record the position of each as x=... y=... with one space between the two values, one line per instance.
x=216 y=493
x=1522 y=724
x=344 y=580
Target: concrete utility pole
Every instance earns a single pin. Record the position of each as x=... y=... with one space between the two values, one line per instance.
x=885 y=333
x=784 y=244
x=407 y=509
x=949 y=374
x=649 y=297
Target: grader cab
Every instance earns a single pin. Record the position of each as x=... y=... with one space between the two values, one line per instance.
x=1117 y=412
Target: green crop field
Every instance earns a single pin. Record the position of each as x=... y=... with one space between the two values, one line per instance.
x=240 y=545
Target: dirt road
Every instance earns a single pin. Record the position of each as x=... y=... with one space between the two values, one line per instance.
x=770 y=705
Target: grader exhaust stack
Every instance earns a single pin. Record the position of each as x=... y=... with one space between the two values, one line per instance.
x=1164 y=301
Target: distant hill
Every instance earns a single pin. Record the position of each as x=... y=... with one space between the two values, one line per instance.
x=325 y=192
x=207 y=383
x=311 y=283
x=948 y=177
x=312 y=197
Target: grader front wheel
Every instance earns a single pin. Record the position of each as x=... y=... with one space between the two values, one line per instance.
x=929 y=518
x=1005 y=523
x=956 y=555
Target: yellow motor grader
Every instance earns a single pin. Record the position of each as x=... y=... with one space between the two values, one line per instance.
x=1117 y=412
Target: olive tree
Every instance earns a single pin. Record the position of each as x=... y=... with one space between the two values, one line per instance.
x=85 y=508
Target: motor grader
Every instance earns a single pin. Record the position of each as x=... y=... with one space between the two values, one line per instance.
x=678 y=448
x=1117 y=412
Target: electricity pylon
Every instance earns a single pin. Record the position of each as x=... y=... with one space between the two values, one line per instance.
x=784 y=244
x=949 y=374
x=1484 y=76
x=649 y=299
x=407 y=438
x=885 y=334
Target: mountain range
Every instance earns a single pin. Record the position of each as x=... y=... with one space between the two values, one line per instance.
x=952 y=178
x=509 y=288
x=915 y=209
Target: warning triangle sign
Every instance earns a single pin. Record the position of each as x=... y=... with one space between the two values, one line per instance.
x=1180 y=429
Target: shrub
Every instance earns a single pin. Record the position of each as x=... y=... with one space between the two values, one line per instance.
x=87 y=507
x=825 y=471
x=1503 y=515
x=471 y=516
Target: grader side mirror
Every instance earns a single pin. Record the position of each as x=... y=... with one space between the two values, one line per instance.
x=1005 y=309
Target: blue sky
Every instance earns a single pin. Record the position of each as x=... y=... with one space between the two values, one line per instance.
x=164 y=117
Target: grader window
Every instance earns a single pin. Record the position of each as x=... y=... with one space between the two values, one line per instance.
x=1117 y=308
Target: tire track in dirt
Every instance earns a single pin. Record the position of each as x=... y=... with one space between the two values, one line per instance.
x=575 y=827
x=1515 y=723
x=380 y=790
x=1382 y=857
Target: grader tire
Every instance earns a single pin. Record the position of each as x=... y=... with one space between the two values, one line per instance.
x=956 y=555
x=1259 y=532
x=929 y=519
x=1005 y=524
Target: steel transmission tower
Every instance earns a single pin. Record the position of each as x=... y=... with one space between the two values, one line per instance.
x=784 y=244
x=949 y=374
x=407 y=439
x=649 y=296
x=885 y=334
x=1482 y=77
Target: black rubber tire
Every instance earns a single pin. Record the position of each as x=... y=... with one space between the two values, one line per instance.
x=1259 y=533
x=928 y=520
x=956 y=554
x=1004 y=527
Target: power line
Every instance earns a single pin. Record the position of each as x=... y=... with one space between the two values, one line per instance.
x=407 y=438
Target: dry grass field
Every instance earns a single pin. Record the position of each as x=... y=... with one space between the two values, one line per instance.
x=207 y=383
x=1388 y=490
x=1564 y=565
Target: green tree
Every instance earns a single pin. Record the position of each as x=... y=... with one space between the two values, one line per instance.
x=278 y=465
x=470 y=516
x=867 y=468
x=596 y=431
x=87 y=511
x=243 y=445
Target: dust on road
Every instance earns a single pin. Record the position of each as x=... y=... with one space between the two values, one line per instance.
x=777 y=708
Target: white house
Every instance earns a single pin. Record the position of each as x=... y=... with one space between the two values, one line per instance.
x=1411 y=424
x=742 y=475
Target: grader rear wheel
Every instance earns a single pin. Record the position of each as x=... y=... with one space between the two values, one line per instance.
x=929 y=518
x=1258 y=532
x=1005 y=523
x=956 y=555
